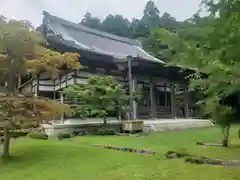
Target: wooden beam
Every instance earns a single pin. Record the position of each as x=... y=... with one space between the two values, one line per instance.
x=165 y=94
x=173 y=103
x=186 y=106
x=135 y=113
x=62 y=102
x=153 y=98
x=37 y=89
x=129 y=60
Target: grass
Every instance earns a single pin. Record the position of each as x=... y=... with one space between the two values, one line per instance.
x=76 y=159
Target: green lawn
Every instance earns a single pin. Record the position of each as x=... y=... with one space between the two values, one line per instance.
x=77 y=159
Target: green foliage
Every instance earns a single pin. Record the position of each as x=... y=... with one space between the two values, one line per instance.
x=22 y=53
x=99 y=96
x=116 y=24
x=209 y=46
x=213 y=54
x=38 y=135
x=78 y=158
x=136 y=28
x=64 y=136
x=104 y=132
x=15 y=134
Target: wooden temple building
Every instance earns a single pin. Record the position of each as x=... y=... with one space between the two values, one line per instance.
x=165 y=92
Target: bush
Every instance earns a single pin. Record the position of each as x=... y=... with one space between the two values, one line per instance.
x=64 y=136
x=38 y=135
x=79 y=133
x=18 y=134
x=104 y=132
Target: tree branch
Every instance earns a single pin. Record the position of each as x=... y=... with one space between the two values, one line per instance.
x=24 y=84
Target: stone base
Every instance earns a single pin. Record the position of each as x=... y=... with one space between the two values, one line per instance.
x=132 y=126
x=176 y=124
x=55 y=130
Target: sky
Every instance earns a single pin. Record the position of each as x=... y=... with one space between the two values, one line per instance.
x=74 y=10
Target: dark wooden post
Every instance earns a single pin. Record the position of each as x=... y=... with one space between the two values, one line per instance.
x=186 y=108
x=54 y=92
x=54 y=89
x=129 y=59
x=62 y=102
x=165 y=95
x=37 y=90
x=152 y=98
x=173 y=103
x=134 y=82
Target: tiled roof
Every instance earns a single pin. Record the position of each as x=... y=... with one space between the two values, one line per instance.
x=88 y=39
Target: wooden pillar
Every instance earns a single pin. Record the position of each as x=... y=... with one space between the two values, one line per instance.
x=165 y=94
x=153 y=98
x=134 y=86
x=62 y=102
x=186 y=108
x=130 y=82
x=37 y=90
x=173 y=102
x=54 y=89
x=54 y=93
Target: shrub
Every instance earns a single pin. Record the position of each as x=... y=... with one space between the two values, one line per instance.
x=194 y=160
x=18 y=134
x=104 y=132
x=38 y=135
x=64 y=136
x=79 y=133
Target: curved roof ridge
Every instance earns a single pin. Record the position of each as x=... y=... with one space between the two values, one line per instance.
x=91 y=30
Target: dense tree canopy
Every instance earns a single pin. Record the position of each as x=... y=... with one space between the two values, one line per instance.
x=136 y=28
x=210 y=46
x=99 y=96
x=90 y=21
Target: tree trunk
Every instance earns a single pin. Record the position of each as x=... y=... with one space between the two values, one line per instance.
x=239 y=133
x=226 y=132
x=6 y=143
x=119 y=114
x=104 y=120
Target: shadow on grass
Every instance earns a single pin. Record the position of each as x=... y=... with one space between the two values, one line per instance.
x=30 y=155
x=230 y=146
x=234 y=146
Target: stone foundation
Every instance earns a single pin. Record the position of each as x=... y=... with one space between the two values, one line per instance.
x=176 y=124
x=149 y=126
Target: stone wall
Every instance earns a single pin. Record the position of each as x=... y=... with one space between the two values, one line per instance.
x=177 y=124
x=57 y=129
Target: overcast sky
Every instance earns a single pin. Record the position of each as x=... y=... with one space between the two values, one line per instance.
x=74 y=10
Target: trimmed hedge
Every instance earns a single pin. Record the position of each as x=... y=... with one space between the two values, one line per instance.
x=38 y=135
x=104 y=132
x=64 y=136
x=15 y=134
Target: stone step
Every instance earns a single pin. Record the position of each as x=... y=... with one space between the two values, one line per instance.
x=177 y=125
